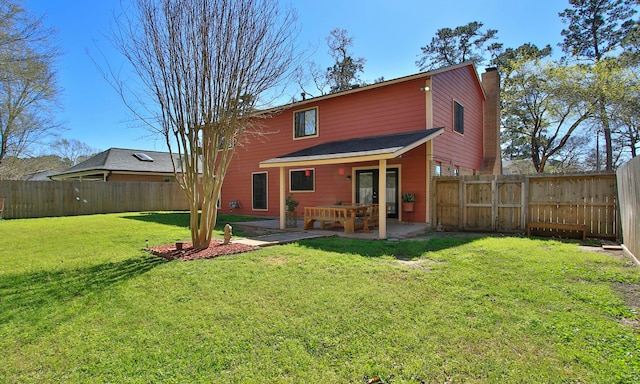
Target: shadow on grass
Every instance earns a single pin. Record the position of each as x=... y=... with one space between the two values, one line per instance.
x=178 y=219
x=38 y=302
x=402 y=250
x=181 y=219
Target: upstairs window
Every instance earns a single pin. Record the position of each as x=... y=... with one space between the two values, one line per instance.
x=221 y=142
x=305 y=123
x=458 y=117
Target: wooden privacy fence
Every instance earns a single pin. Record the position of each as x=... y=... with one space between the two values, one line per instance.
x=629 y=194
x=25 y=199
x=507 y=203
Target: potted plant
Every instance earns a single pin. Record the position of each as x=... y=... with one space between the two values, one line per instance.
x=408 y=199
x=292 y=218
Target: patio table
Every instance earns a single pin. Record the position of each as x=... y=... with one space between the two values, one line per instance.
x=344 y=214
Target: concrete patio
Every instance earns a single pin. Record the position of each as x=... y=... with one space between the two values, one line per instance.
x=268 y=232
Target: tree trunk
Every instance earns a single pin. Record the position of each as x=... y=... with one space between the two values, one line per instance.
x=606 y=129
x=535 y=154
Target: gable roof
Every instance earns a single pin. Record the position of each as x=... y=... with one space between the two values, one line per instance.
x=420 y=75
x=121 y=160
x=355 y=150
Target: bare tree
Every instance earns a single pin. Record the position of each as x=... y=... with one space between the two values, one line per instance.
x=313 y=76
x=205 y=65
x=341 y=76
x=28 y=87
x=72 y=151
x=28 y=167
x=344 y=73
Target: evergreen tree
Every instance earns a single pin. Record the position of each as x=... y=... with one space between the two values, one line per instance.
x=455 y=46
x=596 y=30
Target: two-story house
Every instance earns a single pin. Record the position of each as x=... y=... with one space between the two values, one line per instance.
x=371 y=144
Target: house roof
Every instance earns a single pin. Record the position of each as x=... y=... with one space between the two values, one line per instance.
x=121 y=160
x=355 y=150
x=420 y=75
x=39 y=176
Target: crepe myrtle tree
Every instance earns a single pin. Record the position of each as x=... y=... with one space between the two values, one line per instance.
x=204 y=65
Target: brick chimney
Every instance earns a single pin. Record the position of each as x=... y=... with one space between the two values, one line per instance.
x=492 y=158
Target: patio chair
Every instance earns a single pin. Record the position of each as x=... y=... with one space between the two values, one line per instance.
x=371 y=219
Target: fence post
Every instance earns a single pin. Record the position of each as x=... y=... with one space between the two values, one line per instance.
x=494 y=203
x=462 y=216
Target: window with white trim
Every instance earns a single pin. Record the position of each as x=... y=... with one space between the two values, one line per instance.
x=259 y=191
x=305 y=123
x=302 y=180
x=458 y=117
x=221 y=144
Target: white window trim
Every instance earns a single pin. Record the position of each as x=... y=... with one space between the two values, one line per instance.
x=266 y=191
x=317 y=124
x=302 y=190
x=453 y=111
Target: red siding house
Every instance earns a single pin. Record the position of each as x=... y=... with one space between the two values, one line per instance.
x=371 y=144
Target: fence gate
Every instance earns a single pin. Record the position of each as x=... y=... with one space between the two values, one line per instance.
x=481 y=204
x=493 y=204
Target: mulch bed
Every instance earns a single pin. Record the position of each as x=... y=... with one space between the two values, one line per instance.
x=216 y=248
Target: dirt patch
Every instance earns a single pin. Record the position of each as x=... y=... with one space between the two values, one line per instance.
x=215 y=249
x=631 y=294
x=424 y=264
x=275 y=260
x=618 y=253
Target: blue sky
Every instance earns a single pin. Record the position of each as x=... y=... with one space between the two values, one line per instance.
x=388 y=34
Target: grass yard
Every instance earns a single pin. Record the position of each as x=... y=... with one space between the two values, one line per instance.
x=80 y=301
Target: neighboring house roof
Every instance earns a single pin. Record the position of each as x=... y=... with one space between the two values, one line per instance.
x=39 y=176
x=122 y=161
x=358 y=149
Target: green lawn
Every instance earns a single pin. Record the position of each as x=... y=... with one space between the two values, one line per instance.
x=80 y=301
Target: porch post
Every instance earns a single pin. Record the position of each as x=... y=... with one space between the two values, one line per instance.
x=282 y=198
x=382 y=199
x=429 y=145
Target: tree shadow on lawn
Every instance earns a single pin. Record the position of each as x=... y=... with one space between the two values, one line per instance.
x=40 y=301
x=181 y=219
x=401 y=250
x=178 y=219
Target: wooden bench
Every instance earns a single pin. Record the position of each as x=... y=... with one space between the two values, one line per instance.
x=325 y=215
x=560 y=229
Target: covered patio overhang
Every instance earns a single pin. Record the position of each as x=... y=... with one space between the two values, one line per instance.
x=373 y=148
